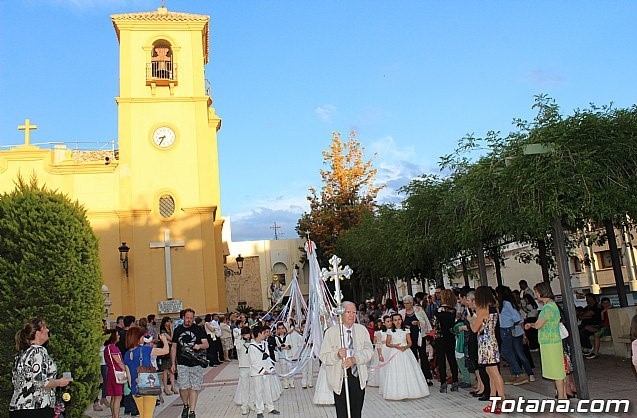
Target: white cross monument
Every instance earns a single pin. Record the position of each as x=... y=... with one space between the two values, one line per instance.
x=167 y=245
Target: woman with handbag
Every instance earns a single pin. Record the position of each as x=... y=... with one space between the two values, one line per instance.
x=551 y=350
x=143 y=378
x=115 y=373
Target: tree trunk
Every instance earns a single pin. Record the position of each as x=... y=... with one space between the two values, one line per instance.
x=498 y=267
x=617 y=267
x=482 y=266
x=410 y=289
x=465 y=271
x=544 y=265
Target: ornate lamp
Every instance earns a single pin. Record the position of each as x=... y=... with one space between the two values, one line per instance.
x=123 y=256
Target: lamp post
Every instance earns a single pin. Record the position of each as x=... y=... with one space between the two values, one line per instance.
x=227 y=271
x=123 y=256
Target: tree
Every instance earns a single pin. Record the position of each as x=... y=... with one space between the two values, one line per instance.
x=49 y=267
x=348 y=192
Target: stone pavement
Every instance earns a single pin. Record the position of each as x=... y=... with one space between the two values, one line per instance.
x=608 y=377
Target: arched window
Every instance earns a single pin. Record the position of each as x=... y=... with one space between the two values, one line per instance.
x=162 y=66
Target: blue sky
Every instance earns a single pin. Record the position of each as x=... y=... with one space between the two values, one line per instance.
x=411 y=77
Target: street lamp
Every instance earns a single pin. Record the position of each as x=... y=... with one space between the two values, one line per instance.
x=227 y=271
x=123 y=256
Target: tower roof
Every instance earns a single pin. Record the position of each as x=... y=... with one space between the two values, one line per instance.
x=163 y=15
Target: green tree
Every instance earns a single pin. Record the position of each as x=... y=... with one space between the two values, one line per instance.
x=49 y=267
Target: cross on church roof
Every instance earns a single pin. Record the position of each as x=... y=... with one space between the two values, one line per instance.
x=27 y=127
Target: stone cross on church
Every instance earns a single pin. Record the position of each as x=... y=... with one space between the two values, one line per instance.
x=27 y=127
x=167 y=244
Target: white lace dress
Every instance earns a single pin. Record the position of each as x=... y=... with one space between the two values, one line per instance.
x=373 y=377
x=402 y=377
x=323 y=394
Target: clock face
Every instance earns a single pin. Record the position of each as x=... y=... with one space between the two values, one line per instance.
x=164 y=137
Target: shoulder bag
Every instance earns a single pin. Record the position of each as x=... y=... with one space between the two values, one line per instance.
x=148 y=383
x=120 y=375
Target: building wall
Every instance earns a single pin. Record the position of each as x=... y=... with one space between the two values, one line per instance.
x=122 y=197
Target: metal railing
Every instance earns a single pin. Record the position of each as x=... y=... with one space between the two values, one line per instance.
x=165 y=70
x=81 y=150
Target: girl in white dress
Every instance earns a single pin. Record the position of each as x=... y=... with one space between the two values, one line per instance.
x=381 y=351
x=403 y=378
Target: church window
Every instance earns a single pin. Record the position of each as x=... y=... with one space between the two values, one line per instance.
x=166 y=206
x=161 y=66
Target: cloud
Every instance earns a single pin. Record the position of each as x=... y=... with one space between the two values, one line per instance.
x=546 y=78
x=396 y=167
x=257 y=223
x=325 y=112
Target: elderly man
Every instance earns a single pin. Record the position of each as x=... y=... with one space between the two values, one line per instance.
x=350 y=356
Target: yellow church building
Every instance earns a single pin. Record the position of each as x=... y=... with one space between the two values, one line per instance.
x=152 y=196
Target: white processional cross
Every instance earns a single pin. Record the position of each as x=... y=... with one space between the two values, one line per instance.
x=167 y=245
x=337 y=274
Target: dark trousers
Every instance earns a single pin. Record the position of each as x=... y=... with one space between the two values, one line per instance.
x=446 y=351
x=130 y=407
x=212 y=352
x=484 y=376
x=424 y=361
x=356 y=398
x=585 y=338
x=531 y=334
x=33 y=413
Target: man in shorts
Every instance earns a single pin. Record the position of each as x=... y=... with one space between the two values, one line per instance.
x=188 y=339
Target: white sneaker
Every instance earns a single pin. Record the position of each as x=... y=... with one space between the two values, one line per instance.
x=245 y=411
x=286 y=387
x=310 y=385
x=531 y=378
x=292 y=385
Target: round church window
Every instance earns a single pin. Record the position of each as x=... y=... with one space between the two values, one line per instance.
x=166 y=206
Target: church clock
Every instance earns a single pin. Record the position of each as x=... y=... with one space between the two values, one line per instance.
x=164 y=137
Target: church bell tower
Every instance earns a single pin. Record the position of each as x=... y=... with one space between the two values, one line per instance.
x=168 y=163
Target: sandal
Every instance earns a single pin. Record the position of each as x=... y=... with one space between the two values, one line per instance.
x=488 y=410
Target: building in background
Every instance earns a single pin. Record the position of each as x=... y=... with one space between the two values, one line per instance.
x=152 y=195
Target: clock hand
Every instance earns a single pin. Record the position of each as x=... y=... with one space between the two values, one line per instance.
x=161 y=139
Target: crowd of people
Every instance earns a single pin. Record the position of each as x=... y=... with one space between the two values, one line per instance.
x=401 y=348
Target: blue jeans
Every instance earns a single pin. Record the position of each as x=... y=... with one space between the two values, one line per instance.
x=513 y=352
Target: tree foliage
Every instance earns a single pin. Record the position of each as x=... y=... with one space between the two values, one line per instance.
x=347 y=193
x=498 y=189
x=49 y=267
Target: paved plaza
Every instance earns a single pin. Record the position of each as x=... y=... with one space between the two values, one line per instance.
x=609 y=378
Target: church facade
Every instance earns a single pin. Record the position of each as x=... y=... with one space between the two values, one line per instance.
x=155 y=191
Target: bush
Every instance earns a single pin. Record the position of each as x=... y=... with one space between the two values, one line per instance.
x=49 y=267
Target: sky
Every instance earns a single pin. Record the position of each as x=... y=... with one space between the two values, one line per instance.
x=412 y=77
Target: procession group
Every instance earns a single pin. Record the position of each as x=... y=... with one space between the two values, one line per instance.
x=457 y=337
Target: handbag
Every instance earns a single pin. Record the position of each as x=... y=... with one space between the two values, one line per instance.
x=148 y=383
x=120 y=375
x=563 y=331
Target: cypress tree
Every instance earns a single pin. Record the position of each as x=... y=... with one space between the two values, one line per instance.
x=49 y=267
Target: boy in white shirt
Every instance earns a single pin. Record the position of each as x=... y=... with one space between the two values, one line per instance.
x=260 y=367
x=244 y=394
x=283 y=354
x=298 y=343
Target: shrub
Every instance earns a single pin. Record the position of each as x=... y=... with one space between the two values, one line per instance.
x=49 y=267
